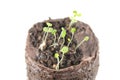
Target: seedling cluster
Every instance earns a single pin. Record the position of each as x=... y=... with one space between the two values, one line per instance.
x=74 y=18
x=64 y=49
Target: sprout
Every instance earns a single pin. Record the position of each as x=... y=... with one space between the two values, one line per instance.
x=54 y=33
x=64 y=50
x=62 y=35
x=49 y=24
x=76 y=14
x=86 y=38
x=73 y=18
x=73 y=30
x=45 y=35
x=48 y=30
x=56 y=55
x=45 y=29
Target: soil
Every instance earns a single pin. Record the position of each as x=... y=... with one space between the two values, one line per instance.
x=46 y=57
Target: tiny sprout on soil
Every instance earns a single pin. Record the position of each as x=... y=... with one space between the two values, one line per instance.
x=62 y=35
x=45 y=35
x=49 y=24
x=53 y=32
x=64 y=50
x=56 y=55
x=86 y=38
x=73 y=18
x=73 y=30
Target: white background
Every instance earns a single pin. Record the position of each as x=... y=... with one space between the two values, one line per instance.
x=17 y=16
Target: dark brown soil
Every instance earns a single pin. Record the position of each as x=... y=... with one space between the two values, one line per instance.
x=46 y=58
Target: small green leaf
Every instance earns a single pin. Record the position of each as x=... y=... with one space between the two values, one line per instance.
x=86 y=38
x=73 y=30
x=45 y=29
x=76 y=14
x=75 y=11
x=49 y=24
x=64 y=49
x=54 y=31
x=50 y=29
x=79 y=14
x=63 y=33
x=69 y=39
x=56 y=55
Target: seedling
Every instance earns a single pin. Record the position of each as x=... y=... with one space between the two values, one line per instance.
x=62 y=35
x=49 y=24
x=64 y=50
x=73 y=18
x=73 y=30
x=46 y=31
x=56 y=55
x=86 y=38
x=54 y=33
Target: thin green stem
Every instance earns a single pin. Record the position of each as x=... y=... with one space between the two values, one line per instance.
x=79 y=44
x=55 y=38
x=59 y=38
x=46 y=34
x=70 y=40
x=61 y=59
x=43 y=36
x=62 y=43
x=57 y=66
x=70 y=25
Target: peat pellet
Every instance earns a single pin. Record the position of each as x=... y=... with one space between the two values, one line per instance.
x=81 y=64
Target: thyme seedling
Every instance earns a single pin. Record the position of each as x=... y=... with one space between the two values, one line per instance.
x=62 y=35
x=73 y=30
x=54 y=33
x=86 y=38
x=73 y=18
x=45 y=35
x=64 y=50
x=56 y=55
